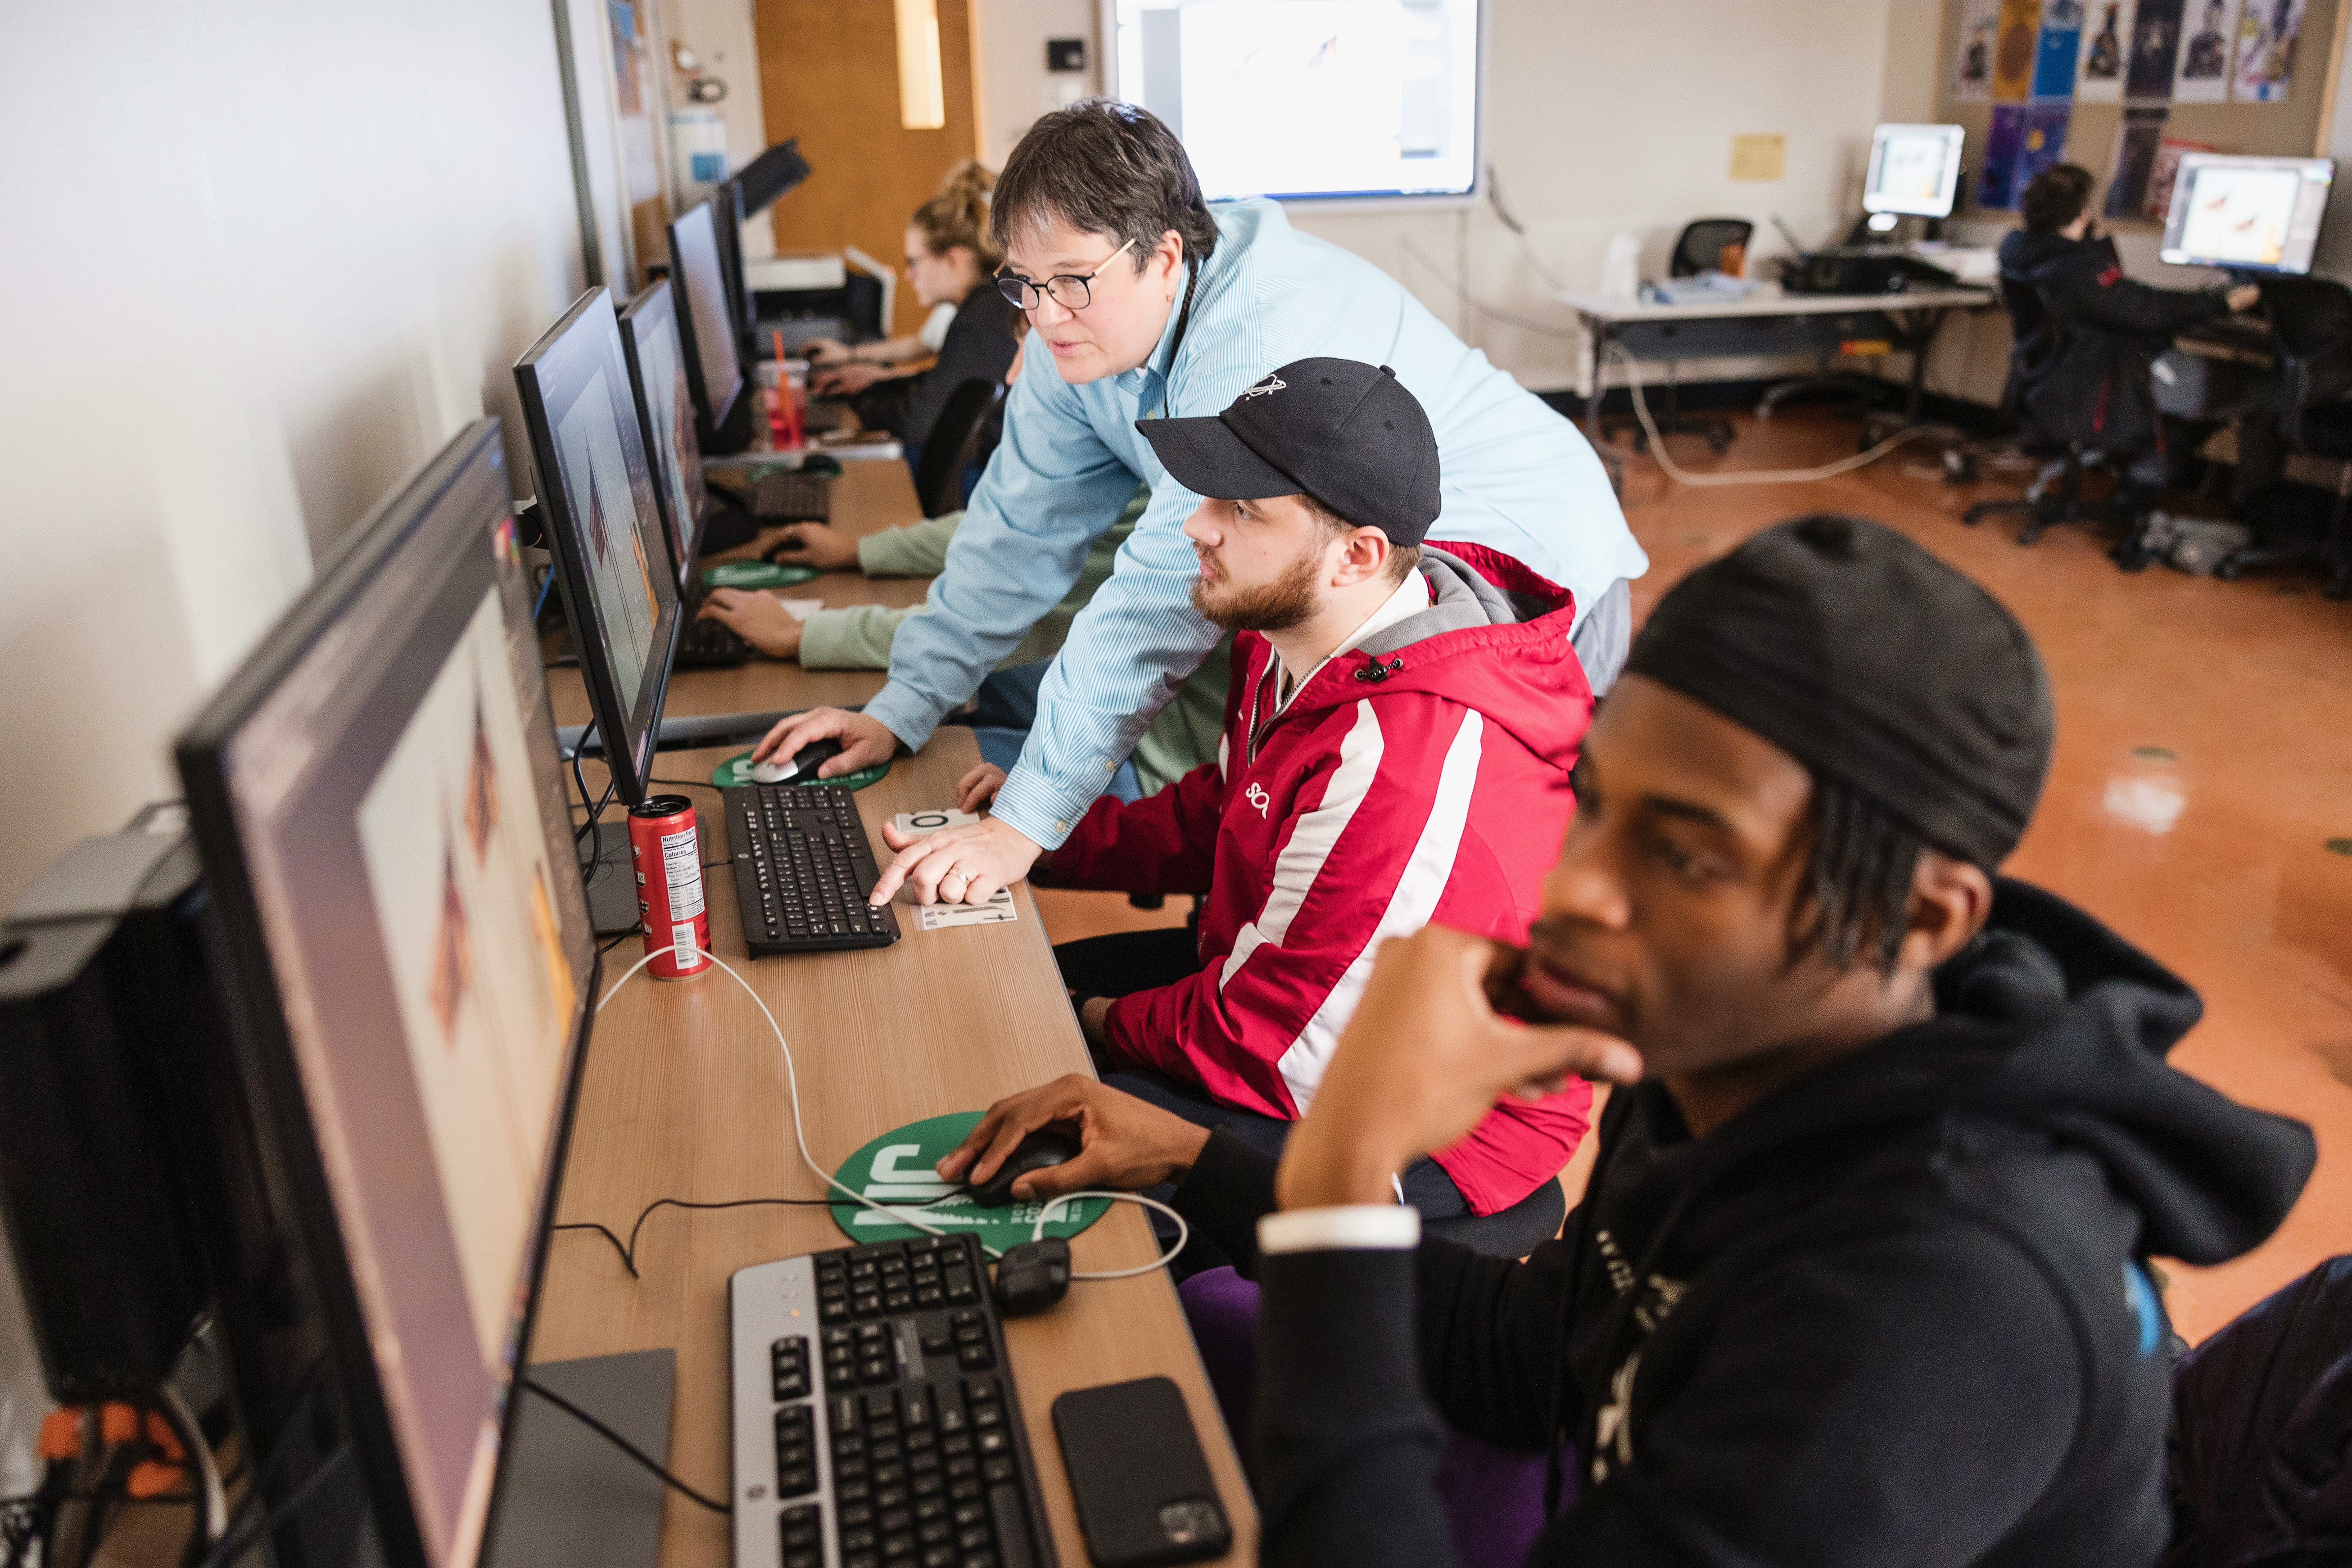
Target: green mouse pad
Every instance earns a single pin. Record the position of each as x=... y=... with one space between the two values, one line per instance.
x=758 y=574
x=735 y=772
x=897 y=1169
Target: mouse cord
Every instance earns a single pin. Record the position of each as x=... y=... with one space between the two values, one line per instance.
x=1183 y=1232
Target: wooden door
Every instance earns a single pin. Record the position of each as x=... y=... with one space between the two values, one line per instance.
x=829 y=75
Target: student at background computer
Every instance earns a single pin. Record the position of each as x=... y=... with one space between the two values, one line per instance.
x=1144 y=303
x=951 y=257
x=2081 y=371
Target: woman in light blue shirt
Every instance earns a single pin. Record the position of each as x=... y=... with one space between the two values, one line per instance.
x=1143 y=302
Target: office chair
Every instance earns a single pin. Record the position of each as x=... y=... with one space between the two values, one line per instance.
x=2056 y=493
x=2311 y=319
x=1699 y=249
x=963 y=435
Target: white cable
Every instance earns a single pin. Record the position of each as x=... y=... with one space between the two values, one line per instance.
x=1675 y=472
x=1183 y=1232
x=200 y=1454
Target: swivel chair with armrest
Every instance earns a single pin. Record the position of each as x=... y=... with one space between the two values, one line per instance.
x=965 y=433
x=2056 y=493
x=1700 y=248
x=2311 y=319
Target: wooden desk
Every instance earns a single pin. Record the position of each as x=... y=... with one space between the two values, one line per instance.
x=683 y=1095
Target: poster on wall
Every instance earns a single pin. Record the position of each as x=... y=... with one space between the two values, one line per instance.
x=2044 y=141
x=2060 y=47
x=2155 y=48
x=2025 y=139
x=2210 y=28
x=2268 y=32
x=2016 y=49
x=2106 y=47
x=2167 y=166
x=1972 y=65
x=2136 y=140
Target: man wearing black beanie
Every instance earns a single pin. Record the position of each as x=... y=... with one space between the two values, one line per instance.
x=1861 y=1274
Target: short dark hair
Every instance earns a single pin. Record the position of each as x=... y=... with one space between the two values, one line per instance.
x=1105 y=167
x=1855 y=900
x=2056 y=197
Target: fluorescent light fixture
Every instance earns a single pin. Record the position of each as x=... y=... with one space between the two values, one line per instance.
x=922 y=91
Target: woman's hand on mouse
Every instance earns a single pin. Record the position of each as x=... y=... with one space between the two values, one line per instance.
x=818 y=545
x=864 y=742
x=1128 y=1144
x=759 y=619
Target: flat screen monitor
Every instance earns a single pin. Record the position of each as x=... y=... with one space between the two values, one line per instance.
x=714 y=368
x=2248 y=215
x=769 y=176
x=604 y=528
x=1312 y=100
x=657 y=384
x=1914 y=170
x=727 y=227
x=377 y=803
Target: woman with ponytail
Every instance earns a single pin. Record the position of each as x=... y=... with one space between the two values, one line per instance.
x=950 y=261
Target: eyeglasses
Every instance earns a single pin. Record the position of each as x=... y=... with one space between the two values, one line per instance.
x=1070 y=291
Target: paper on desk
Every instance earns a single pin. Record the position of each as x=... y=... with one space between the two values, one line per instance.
x=922 y=824
x=998 y=910
x=800 y=609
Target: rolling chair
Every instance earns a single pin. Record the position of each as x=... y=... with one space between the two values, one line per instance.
x=2312 y=320
x=1699 y=249
x=2056 y=493
x=964 y=434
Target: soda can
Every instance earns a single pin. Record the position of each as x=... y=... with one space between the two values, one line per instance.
x=667 y=853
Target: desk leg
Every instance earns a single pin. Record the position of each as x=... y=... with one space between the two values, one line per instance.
x=1599 y=331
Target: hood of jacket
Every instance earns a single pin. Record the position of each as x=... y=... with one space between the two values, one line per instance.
x=1495 y=638
x=2050 y=1024
x=2040 y=258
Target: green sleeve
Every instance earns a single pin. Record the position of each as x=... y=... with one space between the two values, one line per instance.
x=855 y=639
x=1186 y=732
x=916 y=550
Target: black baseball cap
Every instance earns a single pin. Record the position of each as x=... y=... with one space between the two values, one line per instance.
x=1344 y=432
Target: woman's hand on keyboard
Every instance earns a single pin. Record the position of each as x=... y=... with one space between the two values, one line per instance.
x=760 y=619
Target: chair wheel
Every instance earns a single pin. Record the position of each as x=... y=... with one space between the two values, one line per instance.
x=2228 y=571
x=1959 y=468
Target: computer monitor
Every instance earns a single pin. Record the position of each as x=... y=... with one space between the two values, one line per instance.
x=377 y=804
x=1914 y=170
x=657 y=383
x=714 y=367
x=2248 y=215
x=769 y=176
x=603 y=526
x=726 y=226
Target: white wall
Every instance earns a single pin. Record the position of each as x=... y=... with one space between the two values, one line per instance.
x=260 y=262
x=1010 y=85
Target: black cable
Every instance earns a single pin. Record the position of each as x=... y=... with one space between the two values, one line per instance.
x=631 y=1449
x=629 y=1252
x=617 y=940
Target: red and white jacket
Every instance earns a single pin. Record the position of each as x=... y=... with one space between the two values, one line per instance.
x=1423 y=776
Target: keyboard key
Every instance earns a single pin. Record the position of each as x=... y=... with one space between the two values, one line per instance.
x=975 y=1358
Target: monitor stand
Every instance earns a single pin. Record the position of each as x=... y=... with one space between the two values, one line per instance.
x=612 y=882
x=683 y=733
x=567 y=1495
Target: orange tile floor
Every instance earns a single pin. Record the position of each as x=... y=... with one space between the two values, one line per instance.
x=2204 y=765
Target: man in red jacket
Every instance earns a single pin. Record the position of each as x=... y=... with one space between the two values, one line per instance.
x=1399 y=734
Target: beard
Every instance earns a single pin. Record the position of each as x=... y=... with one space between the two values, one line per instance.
x=1275 y=607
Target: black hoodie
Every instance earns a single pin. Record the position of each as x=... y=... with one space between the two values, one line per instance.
x=2085 y=335
x=1895 y=1313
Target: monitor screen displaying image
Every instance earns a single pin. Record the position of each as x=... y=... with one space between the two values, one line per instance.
x=1310 y=100
x=2254 y=214
x=1914 y=170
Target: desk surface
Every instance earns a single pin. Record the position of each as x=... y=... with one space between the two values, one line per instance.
x=683 y=1095
x=1770 y=301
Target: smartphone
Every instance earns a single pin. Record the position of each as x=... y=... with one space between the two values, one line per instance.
x=1135 y=1469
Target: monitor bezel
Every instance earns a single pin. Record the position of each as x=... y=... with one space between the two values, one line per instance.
x=714 y=420
x=627 y=738
x=265 y=1045
x=727 y=222
x=649 y=311
x=1880 y=135
x=2175 y=215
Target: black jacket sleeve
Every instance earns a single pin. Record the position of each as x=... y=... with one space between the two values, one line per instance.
x=2094 y=294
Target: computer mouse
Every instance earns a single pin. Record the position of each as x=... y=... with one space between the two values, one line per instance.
x=821 y=463
x=802 y=765
x=1047 y=1146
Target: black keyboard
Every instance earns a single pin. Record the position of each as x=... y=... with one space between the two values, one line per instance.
x=706 y=645
x=876 y=1424
x=803 y=869
x=791 y=496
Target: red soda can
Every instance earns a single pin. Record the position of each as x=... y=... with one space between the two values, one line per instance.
x=667 y=854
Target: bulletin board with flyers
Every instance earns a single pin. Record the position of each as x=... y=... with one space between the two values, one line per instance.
x=2122 y=87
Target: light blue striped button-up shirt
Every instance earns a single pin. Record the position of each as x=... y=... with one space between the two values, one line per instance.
x=1516 y=476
